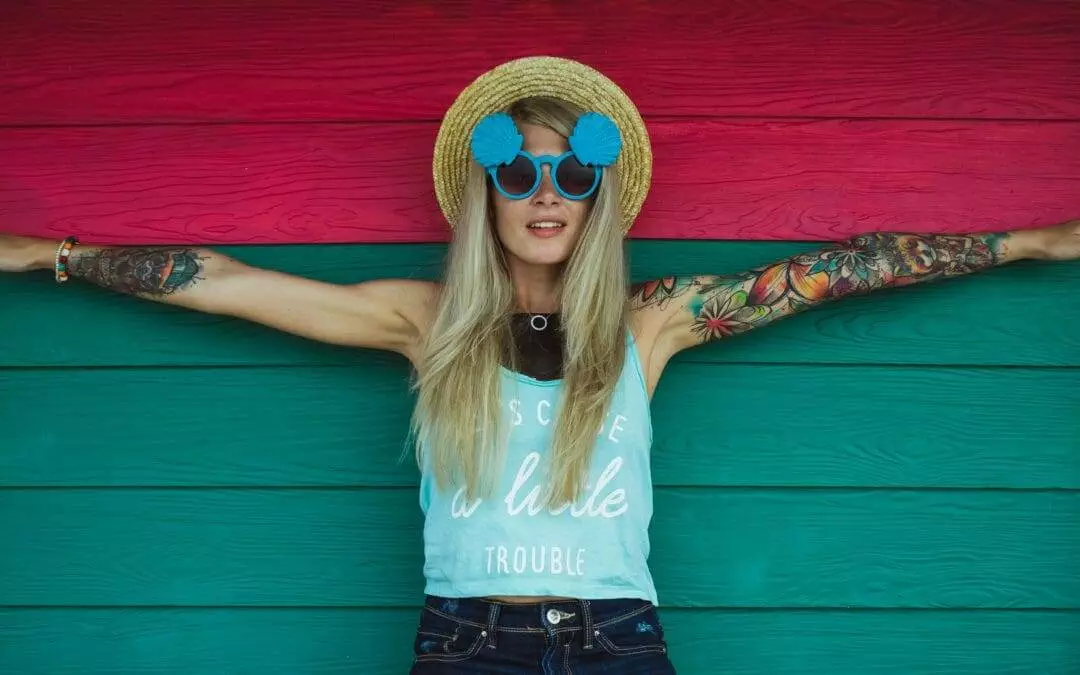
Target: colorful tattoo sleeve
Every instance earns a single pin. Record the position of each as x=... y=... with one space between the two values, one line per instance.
x=139 y=271
x=727 y=305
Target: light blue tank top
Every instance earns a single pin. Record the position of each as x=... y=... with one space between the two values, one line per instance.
x=508 y=544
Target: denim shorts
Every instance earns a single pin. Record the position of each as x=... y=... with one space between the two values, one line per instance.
x=579 y=637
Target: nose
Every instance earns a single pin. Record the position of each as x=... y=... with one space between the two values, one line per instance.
x=546 y=194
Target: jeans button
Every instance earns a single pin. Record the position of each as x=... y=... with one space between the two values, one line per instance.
x=553 y=616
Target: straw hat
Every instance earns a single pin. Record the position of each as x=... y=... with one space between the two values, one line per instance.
x=550 y=76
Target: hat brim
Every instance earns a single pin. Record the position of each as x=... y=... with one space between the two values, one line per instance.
x=555 y=77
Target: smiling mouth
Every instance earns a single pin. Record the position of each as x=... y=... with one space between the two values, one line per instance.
x=545 y=225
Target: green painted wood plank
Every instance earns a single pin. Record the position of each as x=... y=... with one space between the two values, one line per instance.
x=714 y=424
x=711 y=547
x=320 y=641
x=1025 y=314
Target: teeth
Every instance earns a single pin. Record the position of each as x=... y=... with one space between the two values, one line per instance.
x=544 y=225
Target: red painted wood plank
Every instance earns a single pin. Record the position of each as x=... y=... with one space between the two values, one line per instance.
x=372 y=183
x=240 y=60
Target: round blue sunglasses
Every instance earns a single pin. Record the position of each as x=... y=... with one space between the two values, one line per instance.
x=516 y=173
x=521 y=178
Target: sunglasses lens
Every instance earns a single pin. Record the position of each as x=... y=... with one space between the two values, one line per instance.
x=575 y=178
x=518 y=177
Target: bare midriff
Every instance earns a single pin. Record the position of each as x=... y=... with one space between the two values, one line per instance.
x=525 y=599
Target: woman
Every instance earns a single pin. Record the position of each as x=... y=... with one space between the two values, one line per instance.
x=535 y=360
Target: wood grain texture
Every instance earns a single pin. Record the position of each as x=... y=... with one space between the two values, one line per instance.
x=325 y=641
x=289 y=60
x=888 y=486
x=1025 y=314
x=720 y=547
x=778 y=425
x=739 y=179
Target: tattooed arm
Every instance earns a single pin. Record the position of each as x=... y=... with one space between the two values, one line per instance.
x=693 y=310
x=381 y=314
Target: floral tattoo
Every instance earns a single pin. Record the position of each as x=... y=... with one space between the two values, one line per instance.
x=723 y=306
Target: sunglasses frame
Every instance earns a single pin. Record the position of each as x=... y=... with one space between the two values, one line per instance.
x=538 y=162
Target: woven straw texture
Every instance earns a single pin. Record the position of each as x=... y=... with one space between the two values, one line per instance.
x=550 y=76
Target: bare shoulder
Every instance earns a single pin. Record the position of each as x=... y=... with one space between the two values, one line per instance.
x=388 y=314
x=415 y=301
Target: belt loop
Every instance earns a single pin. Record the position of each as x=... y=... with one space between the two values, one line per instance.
x=493 y=621
x=587 y=625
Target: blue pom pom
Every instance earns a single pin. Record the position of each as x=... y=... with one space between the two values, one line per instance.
x=596 y=140
x=496 y=140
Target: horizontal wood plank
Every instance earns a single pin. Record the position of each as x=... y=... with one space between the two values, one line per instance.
x=1025 y=314
x=740 y=179
x=890 y=485
x=711 y=548
x=774 y=425
x=321 y=641
x=289 y=60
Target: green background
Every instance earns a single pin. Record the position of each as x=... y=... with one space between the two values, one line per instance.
x=887 y=484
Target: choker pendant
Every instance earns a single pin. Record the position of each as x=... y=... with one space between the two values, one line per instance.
x=543 y=322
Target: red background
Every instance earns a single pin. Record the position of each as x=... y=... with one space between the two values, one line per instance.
x=238 y=122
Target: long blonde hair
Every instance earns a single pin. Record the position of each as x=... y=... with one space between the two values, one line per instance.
x=458 y=421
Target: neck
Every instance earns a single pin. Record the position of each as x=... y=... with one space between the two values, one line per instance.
x=535 y=287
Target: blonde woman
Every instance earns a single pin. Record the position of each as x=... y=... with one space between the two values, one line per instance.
x=535 y=360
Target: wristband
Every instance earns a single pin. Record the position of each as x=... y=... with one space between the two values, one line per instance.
x=63 y=253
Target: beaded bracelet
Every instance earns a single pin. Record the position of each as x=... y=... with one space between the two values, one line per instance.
x=62 y=255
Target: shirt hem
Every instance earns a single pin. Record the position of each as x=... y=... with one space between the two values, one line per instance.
x=443 y=590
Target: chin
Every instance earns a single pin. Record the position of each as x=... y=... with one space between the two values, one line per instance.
x=539 y=252
x=545 y=257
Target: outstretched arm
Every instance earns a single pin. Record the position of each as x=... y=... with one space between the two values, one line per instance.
x=700 y=309
x=378 y=314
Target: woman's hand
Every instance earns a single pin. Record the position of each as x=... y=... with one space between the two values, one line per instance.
x=23 y=254
x=1060 y=242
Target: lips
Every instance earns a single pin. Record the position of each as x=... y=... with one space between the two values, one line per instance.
x=545 y=224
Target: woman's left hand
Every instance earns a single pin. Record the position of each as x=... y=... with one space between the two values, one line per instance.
x=1059 y=242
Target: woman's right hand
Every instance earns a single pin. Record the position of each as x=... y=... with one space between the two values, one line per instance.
x=23 y=254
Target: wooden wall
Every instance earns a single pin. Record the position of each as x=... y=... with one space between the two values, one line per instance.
x=889 y=485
